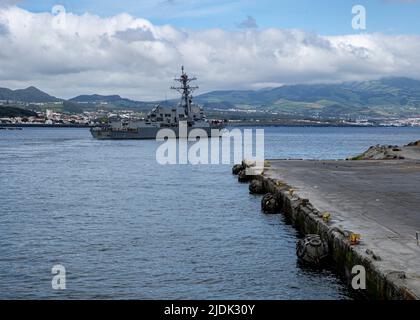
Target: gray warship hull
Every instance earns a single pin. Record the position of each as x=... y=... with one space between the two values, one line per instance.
x=181 y=119
x=144 y=133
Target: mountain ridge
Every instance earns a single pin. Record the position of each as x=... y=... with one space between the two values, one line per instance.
x=384 y=97
x=29 y=94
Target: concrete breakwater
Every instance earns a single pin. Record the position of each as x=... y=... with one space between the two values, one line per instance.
x=365 y=219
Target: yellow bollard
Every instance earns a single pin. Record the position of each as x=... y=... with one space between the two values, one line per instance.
x=354 y=238
x=279 y=183
x=326 y=216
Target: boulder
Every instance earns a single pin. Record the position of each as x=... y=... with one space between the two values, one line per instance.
x=414 y=144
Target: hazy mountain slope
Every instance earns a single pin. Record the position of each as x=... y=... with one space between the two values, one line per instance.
x=111 y=102
x=30 y=94
x=386 y=97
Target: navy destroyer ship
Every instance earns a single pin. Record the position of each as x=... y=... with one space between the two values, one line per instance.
x=187 y=114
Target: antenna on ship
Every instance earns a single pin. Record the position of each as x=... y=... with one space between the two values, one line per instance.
x=186 y=91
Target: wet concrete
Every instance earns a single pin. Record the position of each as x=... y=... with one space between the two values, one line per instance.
x=378 y=199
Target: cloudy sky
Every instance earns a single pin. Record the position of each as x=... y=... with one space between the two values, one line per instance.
x=134 y=48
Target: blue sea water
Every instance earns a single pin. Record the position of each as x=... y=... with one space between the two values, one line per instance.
x=125 y=227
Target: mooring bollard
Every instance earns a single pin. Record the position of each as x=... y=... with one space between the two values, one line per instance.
x=326 y=216
x=354 y=238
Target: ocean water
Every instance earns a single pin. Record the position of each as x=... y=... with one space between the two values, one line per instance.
x=125 y=227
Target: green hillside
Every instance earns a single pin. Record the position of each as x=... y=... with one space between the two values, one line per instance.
x=387 y=97
x=9 y=111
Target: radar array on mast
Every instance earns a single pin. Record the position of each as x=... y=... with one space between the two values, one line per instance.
x=186 y=90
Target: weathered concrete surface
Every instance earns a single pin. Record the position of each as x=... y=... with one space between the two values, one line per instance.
x=378 y=199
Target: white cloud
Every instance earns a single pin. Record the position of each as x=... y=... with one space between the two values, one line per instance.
x=7 y=3
x=132 y=57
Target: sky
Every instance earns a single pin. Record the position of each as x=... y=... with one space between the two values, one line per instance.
x=326 y=17
x=134 y=48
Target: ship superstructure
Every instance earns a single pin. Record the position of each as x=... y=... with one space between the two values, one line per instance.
x=161 y=117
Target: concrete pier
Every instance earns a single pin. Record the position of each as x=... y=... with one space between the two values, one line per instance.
x=378 y=199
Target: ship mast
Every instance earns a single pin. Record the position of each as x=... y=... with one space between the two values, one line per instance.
x=186 y=91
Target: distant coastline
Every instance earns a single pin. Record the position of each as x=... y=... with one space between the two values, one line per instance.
x=294 y=123
x=286 y=123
